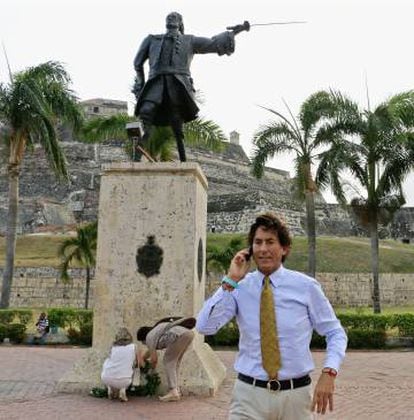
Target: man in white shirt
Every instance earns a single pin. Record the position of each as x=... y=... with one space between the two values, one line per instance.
x=300 y=307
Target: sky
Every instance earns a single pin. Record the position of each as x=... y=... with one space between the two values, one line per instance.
x=345 y=45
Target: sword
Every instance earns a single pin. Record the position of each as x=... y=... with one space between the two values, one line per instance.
x=292 y=22
x=245 y=26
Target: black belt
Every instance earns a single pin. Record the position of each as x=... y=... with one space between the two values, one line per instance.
x=275 y=385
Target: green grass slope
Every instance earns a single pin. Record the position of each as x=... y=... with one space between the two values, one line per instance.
x=334 y=255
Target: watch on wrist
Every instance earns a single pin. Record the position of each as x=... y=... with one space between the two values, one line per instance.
x=330 y=371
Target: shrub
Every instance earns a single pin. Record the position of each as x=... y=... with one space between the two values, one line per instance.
x=83 y=336
x=83 y=316
x=24 y=315
x=364 y=331
x=318 y=341
x=404 y=323
x=61 y=317
x=365 y=322
x=6 y=316
x=150 y=383
x=226 y=336
x=366 y=339
x=16 y=332
x=3 y=332
x=82 y=319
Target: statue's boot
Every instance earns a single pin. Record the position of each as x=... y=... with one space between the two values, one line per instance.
x=177 y=127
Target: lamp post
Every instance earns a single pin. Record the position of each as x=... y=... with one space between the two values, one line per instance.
x=134 y=131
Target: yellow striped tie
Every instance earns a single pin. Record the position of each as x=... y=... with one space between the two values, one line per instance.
x=268 y=332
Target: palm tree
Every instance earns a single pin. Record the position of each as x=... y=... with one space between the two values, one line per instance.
x=377 y=148
x=81 y=248
x=219 y=258
x=31 y=105
x=298 y=136
x=200 y=132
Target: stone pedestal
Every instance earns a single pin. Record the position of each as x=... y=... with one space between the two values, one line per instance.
x=156 y=211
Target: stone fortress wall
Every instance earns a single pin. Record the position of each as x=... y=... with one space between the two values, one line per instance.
x=235 y=197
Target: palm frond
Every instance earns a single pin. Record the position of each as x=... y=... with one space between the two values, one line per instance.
x=45 y=73
x=396 y=168
x=161 y=143
x=204 y=133
x=330 y=168
x=270 y=140
x=34 y=102
x=221 y=257
x=314 y=109
x=343 y=107
x=293 y=118
x=401 y=106
x=68 y=252
x=104 y=128
x=81 y=248
x=54 y=153
x=279 y=133
x=283 y=118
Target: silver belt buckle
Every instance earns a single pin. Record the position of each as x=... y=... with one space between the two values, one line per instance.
x=269 y=385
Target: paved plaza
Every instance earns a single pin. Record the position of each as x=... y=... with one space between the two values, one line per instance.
x=372 y=385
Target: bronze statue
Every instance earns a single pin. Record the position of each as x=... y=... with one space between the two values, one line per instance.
x=167 y=97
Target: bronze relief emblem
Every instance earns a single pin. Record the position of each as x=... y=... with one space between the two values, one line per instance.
x=149 y=258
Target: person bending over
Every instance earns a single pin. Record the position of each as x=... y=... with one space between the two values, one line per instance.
x=175 y=336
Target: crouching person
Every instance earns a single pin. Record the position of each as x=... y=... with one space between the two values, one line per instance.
x=175 y=335
x=117 y=369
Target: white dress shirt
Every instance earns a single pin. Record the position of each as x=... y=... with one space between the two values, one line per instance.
x=301 y=307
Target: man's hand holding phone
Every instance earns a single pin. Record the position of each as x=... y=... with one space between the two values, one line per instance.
x=239 y=267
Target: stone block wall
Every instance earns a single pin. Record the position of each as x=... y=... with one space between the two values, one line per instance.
x=46 y=201
x=236 y=212
x=41 y=287
x=355 y=289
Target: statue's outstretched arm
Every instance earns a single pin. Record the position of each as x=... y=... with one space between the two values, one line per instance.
x=222 y=43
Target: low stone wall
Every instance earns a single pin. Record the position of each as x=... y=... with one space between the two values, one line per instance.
x=354 y=289
x=41 y=287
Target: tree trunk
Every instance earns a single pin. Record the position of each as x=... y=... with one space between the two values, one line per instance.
x=88 y=283
x=373 y=226
x=13 y=173
x=311 y=231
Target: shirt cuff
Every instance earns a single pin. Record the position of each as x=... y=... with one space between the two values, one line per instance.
x=332 y=362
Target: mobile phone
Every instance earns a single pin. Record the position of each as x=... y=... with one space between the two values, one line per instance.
x=249 y=254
